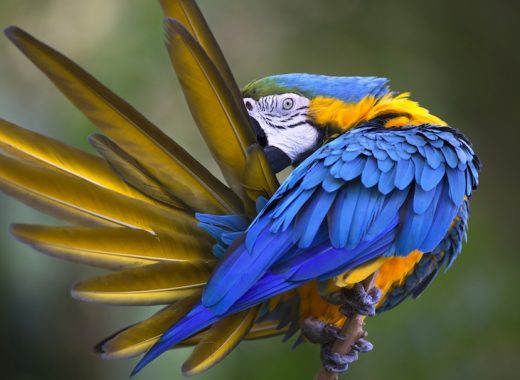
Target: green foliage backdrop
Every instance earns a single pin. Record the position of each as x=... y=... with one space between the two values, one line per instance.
x=459 y=58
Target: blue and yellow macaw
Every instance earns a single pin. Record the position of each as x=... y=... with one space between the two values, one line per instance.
x=380 y=190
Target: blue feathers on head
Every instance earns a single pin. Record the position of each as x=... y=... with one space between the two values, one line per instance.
x=348 y=89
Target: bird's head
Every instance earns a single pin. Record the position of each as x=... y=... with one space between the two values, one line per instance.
x=287 y=111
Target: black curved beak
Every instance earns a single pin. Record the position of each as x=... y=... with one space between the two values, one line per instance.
x=277 y=158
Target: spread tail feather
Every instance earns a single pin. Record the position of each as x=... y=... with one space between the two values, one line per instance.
x=196 y=320
x=201 y=317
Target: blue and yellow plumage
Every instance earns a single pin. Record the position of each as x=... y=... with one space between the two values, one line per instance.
x=380 y=186
x=371 y=193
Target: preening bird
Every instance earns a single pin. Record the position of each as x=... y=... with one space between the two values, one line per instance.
x=380 y=187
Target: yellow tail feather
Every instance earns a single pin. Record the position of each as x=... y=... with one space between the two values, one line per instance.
x=155 y=284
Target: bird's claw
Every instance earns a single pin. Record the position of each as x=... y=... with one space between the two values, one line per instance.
x=358 y=301
x=353 y=301
x=318 y=331
x=363 y=345
x=336 y=362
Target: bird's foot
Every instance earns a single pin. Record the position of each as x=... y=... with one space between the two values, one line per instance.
x=336 y=362
x=356 y=300
x=326 y=334
x=318 y=331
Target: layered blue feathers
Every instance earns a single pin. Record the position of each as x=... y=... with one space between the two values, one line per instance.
x=372 y=180
x=371 y=192
x=429 y=265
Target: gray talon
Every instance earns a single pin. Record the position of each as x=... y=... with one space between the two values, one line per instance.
x=318 y=331
x=332 y=331
x=363 y=345
x=359 y=301
x=336 y=362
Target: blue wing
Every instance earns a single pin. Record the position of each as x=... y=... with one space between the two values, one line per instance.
x=346 y=194
x=370 y=192
x=429 y=266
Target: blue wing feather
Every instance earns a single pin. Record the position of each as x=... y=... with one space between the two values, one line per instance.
x=341 y=212
x=331 y=184
x=450 y=156
x=422 y=199
x=392 y=205
x=433 y=156
x=348 y=209
x=283 y=220
x=404 y=174
x=314 y=177
x=385 y=164
x=371 y=173
x=415 y=139
x=429 y=265
x=362 y=211
x=352 y=169
x=311 y=219
x=457 y=182
x=431 y=177
x=387 y=181
x=418 y=163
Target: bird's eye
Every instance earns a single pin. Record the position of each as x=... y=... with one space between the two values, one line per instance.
x=287 y=104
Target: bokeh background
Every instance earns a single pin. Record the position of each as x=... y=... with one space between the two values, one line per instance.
x=460 y=58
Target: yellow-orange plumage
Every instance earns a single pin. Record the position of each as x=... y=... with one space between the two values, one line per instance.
x=342 y=116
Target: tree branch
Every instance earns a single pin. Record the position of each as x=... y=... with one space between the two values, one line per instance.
x=352 y=331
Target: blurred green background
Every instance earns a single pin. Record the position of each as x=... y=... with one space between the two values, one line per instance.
x=459 y=58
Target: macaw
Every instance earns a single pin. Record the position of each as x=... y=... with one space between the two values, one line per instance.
x=380 y=187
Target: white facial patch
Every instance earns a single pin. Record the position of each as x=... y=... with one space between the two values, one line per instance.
x=285 y=122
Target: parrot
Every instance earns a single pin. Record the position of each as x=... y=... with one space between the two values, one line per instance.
x=378 y=188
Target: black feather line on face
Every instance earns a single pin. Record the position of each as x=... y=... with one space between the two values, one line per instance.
x=291 y=117
x=295 y=124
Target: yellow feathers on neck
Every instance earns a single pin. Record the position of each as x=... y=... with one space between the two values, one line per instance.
x=343 y=116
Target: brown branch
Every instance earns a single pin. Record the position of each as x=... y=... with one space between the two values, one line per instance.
x=352 y=331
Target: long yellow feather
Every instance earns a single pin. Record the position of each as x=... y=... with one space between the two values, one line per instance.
x=259 y=179
x=155 y=284
x=80 y=201
x=221 y=120
x=114 y=248
x=132 y=172
x=266 y=329
x=136 y=339
x=160 y=155
x=35 y=148
x=219 y=341
x=188 y=14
